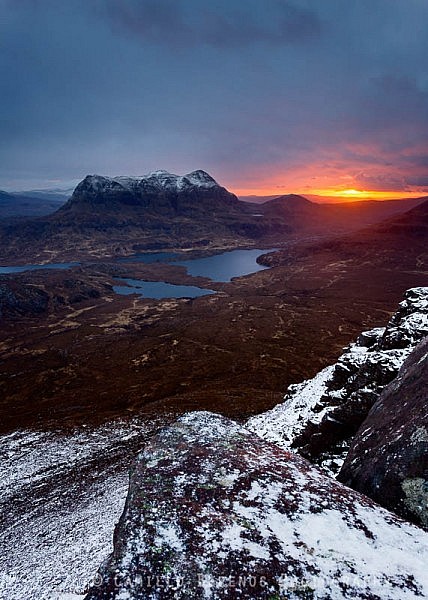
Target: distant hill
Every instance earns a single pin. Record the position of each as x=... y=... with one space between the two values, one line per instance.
x=258 y=199
x=60 y=194
x=397 y=204
x=22 y=205
x=390 y=207
x=400 y=242
x=414 y=222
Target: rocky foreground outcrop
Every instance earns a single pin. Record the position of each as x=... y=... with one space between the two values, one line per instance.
x=320 y=417
x=213 y=511
x=388 y=458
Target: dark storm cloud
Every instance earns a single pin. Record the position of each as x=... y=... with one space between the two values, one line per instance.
x=218 y=24
x=253 y=91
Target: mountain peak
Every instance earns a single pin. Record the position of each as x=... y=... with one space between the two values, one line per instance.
x=201 y=177
x=159 y=179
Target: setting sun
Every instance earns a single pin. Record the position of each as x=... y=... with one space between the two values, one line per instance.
x=320 y=183
x=353 y=193
x=329 y=194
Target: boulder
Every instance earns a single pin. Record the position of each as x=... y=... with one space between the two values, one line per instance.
x=213 y=511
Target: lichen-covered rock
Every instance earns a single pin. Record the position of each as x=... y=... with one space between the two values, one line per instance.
x=213 y=511
x=319 y=417
x=388 y=458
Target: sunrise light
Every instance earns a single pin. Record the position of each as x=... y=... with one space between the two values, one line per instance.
x=353 y=194
x=341 y=183
x=329 y=194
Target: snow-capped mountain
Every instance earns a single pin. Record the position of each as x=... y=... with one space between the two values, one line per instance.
x=107 y=216
x=161 y=181
x=158 y=191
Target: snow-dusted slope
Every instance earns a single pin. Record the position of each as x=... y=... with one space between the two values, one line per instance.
x=60 y=497
x=318 y=417
x=283 y=423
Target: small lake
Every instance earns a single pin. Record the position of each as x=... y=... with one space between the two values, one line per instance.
x=220 y=267
x=159 y=289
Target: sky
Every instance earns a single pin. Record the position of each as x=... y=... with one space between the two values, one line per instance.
x=324 y=97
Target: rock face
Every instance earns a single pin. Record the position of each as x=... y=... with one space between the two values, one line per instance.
x=215 y=512
x=318 y=418
x=388 y=458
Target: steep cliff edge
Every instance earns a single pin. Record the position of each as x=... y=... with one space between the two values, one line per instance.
x=213 y=511
x=319 y=417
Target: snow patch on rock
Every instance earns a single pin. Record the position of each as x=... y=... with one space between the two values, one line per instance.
x=284 y=422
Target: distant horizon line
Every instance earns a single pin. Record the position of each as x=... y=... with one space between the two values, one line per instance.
x=325 y=195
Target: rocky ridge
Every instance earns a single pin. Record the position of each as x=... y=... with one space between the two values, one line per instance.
x=319 y=417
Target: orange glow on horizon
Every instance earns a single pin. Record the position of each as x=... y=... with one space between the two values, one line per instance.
x=330 y=180
x=353 y=194
x=348 y=195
